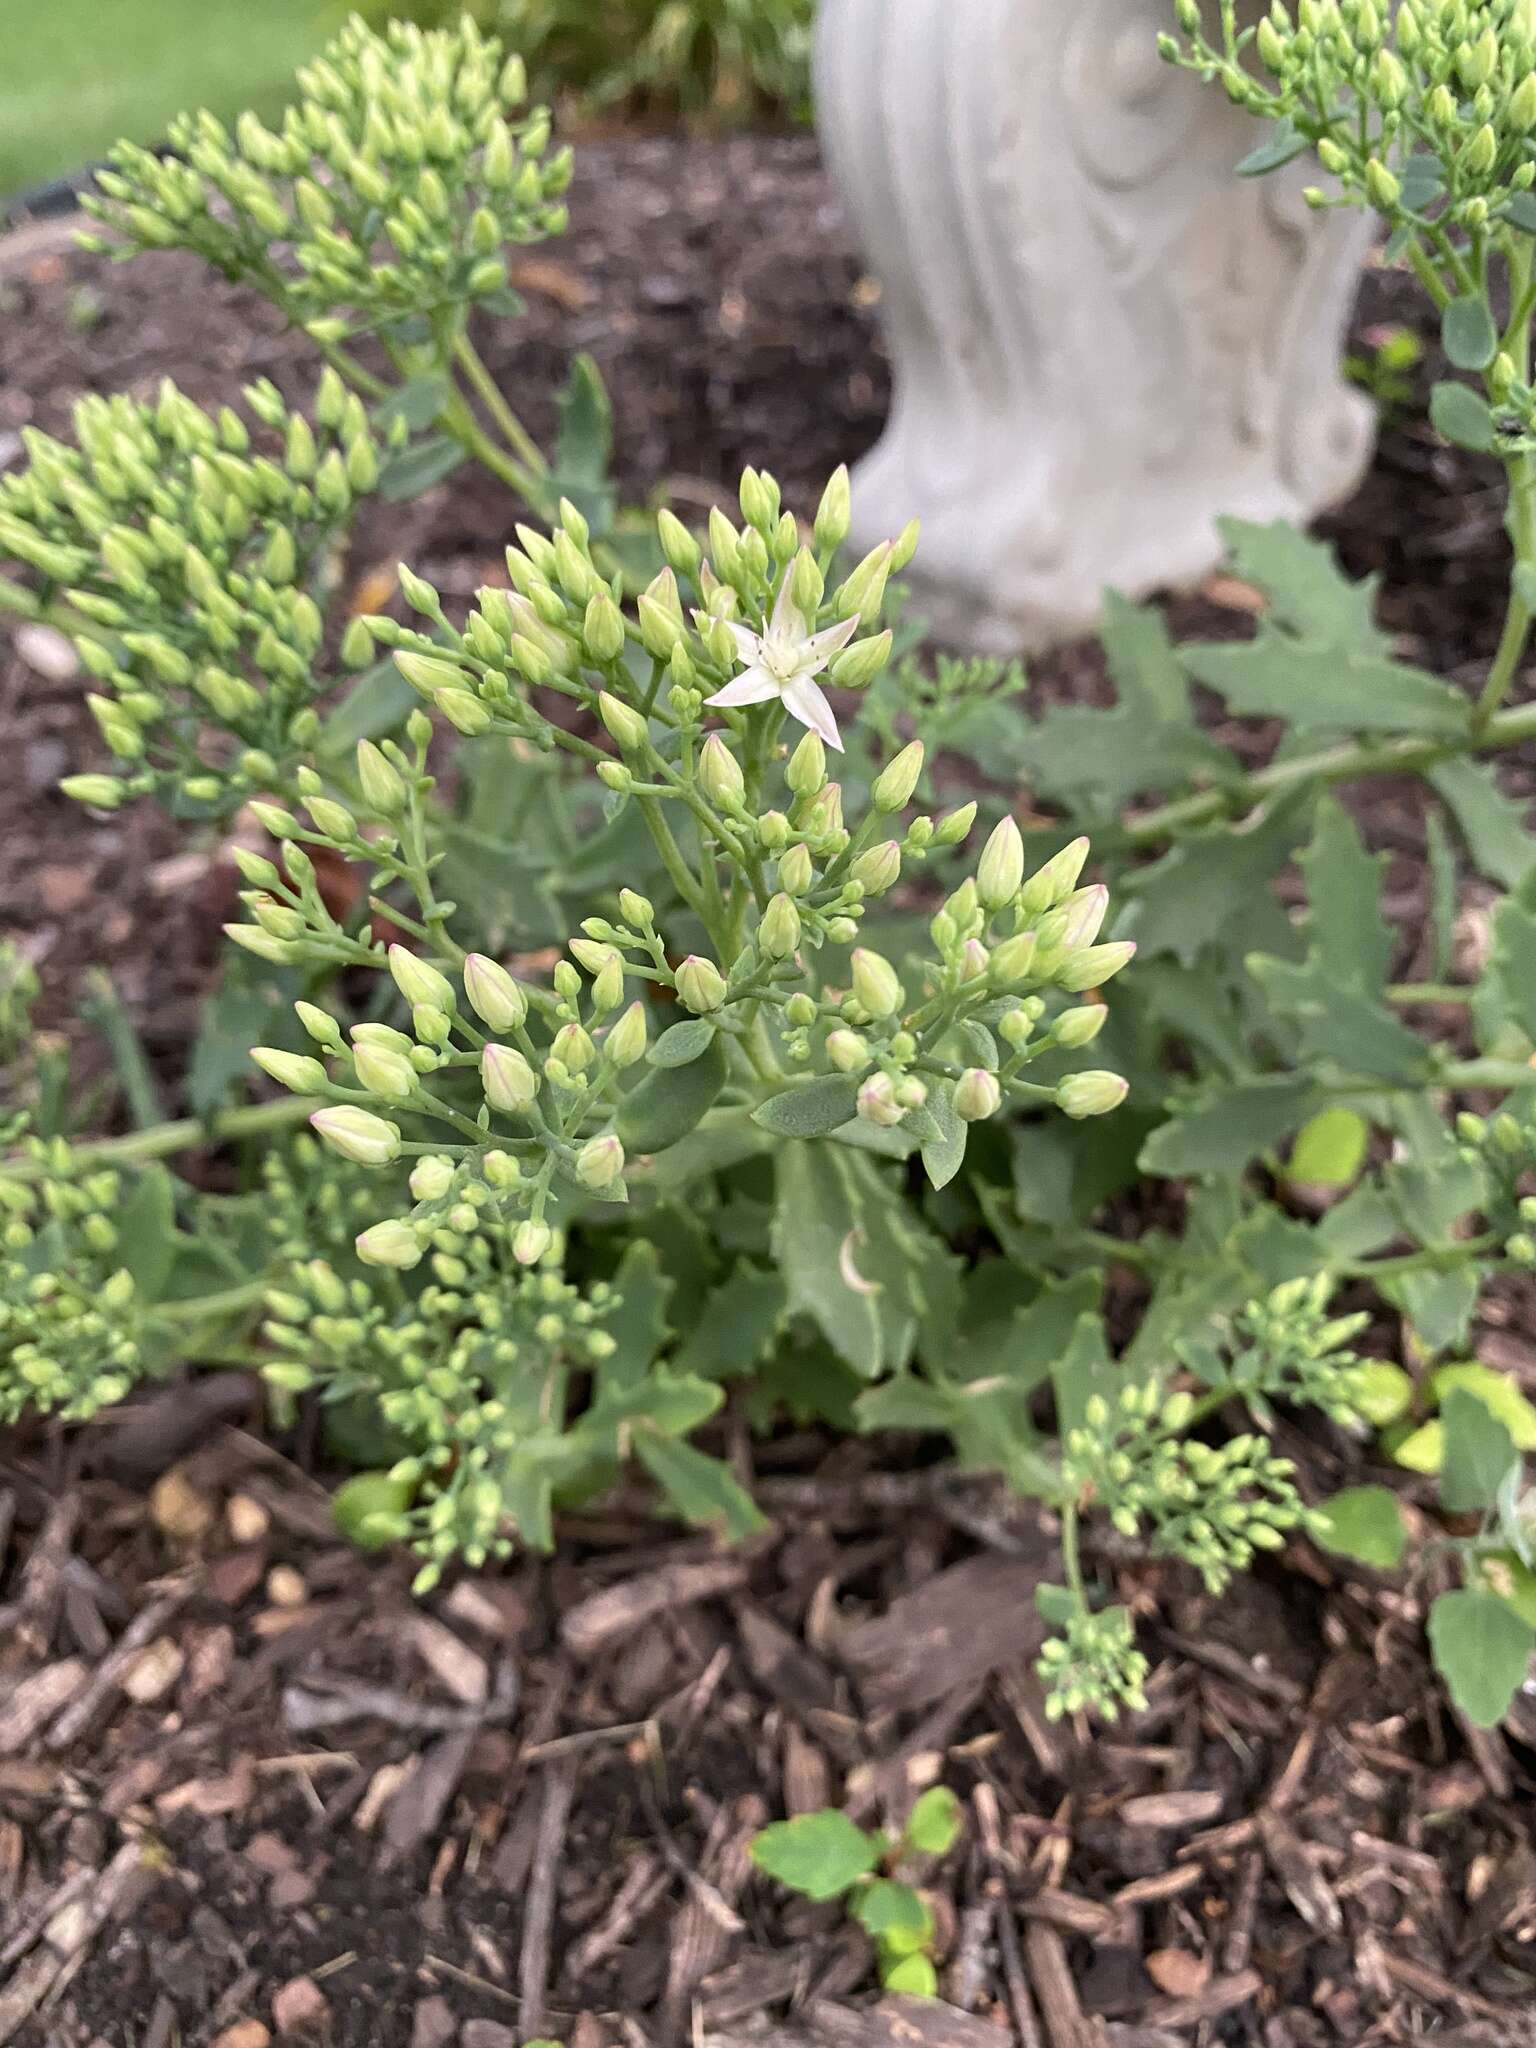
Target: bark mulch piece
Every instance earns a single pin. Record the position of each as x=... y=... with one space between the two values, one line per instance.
x=249 y=1791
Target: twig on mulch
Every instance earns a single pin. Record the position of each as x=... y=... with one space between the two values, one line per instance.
x=539 y=1905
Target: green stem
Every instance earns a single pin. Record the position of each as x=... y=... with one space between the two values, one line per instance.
x=1071 y=1558
x=138 y=1148
x=490 y=394
x=204 y=1307
x=1333 y=764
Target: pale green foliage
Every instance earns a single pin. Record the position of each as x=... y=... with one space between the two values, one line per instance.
x=1093 y=1665
x=391 y=187
x=186 y=549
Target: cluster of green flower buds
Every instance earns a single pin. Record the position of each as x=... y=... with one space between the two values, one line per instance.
x=70 y=1327
x=1503 y=1147
x=1288 y=1348
x=18 y=993
x=1426 y=108
x=185 y=554
x=314 y=1202
x=1093 y=1665
x=757 y=599
x=405 y=166
x=1214 y=1506
x=470 y=1373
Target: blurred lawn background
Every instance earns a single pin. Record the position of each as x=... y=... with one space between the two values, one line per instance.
x=77 y=74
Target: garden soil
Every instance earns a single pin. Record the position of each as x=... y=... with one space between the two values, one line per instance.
x=249 y=1792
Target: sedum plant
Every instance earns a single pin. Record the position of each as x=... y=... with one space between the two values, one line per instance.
x=686 y=1010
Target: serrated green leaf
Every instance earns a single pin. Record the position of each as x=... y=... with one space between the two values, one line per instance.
x=1228 y=1128
x=1323 y=690
x=681 y=1044
x=1330 y=1149
x=1308 y=590
x=818 y=1855
x=1493 y=826
x=418 y=401
x=1463 y=417
x=933 y=1826
x=1207 y=883
x=671 y=1101
x=1438 y=1306
x=1444 y=897
x=1512 y=965
x=1346 y=931
x=1084 y=1369
x=584 y=446
x=1282 y=147
x=1478 y=1453
x=638 y=1320
x=814 y=1111
x=1467 y=333
x=1340 y=1025
x=1365 y=1523
x=145 y=1219
x=704 y=1491
x=1482 y=1650
x=739 y=1320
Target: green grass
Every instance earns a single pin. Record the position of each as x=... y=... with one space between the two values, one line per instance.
x=77 y=74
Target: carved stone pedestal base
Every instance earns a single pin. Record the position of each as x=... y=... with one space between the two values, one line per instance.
x=1103 y=340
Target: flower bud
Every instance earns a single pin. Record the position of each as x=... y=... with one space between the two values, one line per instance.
x=383 y=789
x=334 y=820
x=419 y=982
x=1477 y=158
x=1383 y=188
x=600 y=1162
x=1012 y=960
x=391 y=1244
x=795 y=869
x=858 y=665
x=431 y=1178
x=1001 y=870
x=1084 y=912
x=1095 y=1093
x=864 y=592
x=878 y=1104
x=320 y=1024
x=807 y=770
x=894 y=785
x=1522 y=104
x=510 y=1084
x=493 y=995
x=806 y=585
x=430 y=673
x=759 y=498
x=1076 y=1028
x=660 y=631
x=974 y=961
x=834 y=515
x=680 y=550
x=637 y=911
x=779 y=932
x=951 y=831
x=1049 y=885
x=800 y=1011
x=875 y=985
x=254 y=940
x=357 y=1134
x=101 y=792
x=530 y=1241
x=720 y=775
x=572 y=1048
x=977 y=1096
x=464 y=712
x=602 y=628
x=1093 y=967
x=295 y=1071
x=700 y=985
x=384 y=1073
x=501 y=1170
x=877 y=868
x=625 y=1043
x=847 y=1051
x=625 y=724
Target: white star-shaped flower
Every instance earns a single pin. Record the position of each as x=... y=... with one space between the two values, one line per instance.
x=784 y=662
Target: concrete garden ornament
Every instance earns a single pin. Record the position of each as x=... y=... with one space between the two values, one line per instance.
x=1102 y=340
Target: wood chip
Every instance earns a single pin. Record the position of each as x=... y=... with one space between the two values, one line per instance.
x=36 y=1700
x=608 y=1617
x=1173 y=1809
x=1305 y=1886
x=1178 y=1972
x=950 y=1632
x=1222 y=1994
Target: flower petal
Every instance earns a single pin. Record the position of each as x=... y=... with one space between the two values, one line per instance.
x=752 y=686
x=748 y=645
x=806 y=701
x=821 y=647
x=786 y=623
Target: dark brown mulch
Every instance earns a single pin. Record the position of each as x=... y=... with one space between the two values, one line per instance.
x=247 y=1785
x=534 y=1812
